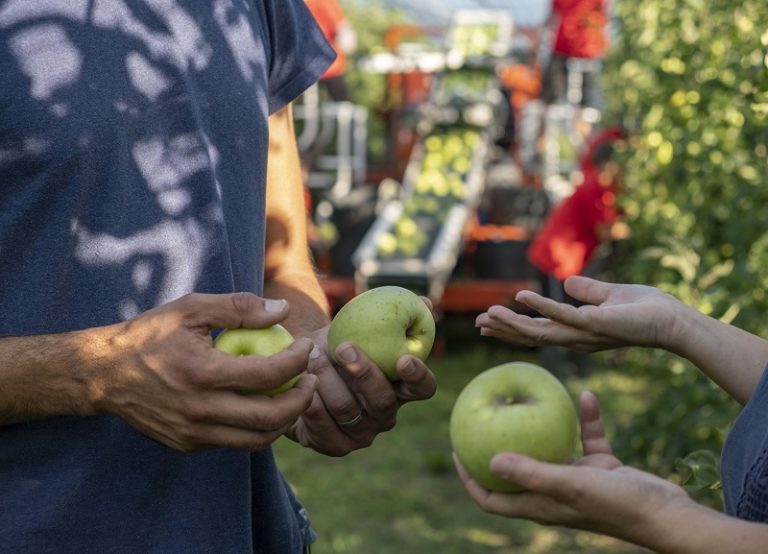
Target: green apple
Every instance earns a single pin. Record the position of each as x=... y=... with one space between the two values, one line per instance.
x=514 y=407
x=257 y=342
x=386 y=323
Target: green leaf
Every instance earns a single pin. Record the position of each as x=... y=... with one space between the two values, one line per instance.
x=700 y=470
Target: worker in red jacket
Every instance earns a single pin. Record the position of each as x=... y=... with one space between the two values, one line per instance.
x=583 y=221
x=580 y=33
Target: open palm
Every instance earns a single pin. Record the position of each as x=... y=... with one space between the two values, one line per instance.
x=613 y=315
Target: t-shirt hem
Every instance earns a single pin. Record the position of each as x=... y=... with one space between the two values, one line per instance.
x=300 y=82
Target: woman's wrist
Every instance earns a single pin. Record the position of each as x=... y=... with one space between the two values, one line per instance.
x=692 y=528
x=682 y=329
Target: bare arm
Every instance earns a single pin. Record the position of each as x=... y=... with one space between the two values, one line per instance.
x=618 y=315
x=351 y=391
x=49 y=375
x=730 y=356
x=289 y=271
x=160 y=373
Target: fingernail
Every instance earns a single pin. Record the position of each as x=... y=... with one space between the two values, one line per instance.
x=274 y=306
x=315 y=354
x=348 y=355
x=408 y=369
x=501 y=463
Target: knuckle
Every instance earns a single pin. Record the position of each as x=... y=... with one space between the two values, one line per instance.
x=188 y=300
x=346 y=408
x=384 y=402
x=197 y=376
x=195 y=412
x=366 y=440
x=572 y=492
x=187 y=437
x=485 y=506
x=387 y=425
x=243 y=302
x=271 y=419
x=364 y=371
x=340 y=451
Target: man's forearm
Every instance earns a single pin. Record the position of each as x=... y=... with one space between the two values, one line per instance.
x=289 y=271
x=731 y=357
x=308 y=304
x=47 y=375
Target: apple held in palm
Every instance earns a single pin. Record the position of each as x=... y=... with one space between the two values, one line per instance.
x=514 y=407
x=386 y=323
x=257 y=342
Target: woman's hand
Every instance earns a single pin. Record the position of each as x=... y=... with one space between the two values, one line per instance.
x=595 y=493
x=614 y=315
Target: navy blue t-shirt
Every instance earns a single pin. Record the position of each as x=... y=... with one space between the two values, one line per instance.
x=744 y=464
x=133 y=145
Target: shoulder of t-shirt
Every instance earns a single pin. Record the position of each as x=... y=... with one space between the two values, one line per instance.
x=300 y=52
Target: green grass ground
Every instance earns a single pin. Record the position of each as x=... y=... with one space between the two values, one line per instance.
x=401 y=495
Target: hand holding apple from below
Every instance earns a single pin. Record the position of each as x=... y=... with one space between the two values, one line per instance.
x=386 y=323
x=257 y=342
x=514 y=407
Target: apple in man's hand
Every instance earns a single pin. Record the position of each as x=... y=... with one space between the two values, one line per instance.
x=386 y=323
x=257 y=342
x=514 y=407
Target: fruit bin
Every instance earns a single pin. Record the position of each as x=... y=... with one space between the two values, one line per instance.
x=418 y=238
x=476 y=35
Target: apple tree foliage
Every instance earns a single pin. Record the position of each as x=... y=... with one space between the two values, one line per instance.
x=690 y=80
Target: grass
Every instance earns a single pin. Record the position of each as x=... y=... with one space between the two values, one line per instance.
x=401 y=495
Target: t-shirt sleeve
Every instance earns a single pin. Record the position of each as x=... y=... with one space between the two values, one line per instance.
x=300 y=54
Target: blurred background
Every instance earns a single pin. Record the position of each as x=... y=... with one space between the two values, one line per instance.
x=436 y=154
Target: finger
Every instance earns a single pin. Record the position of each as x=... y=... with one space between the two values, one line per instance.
x=533 y=331
x=512 y=337
x=588 y=290
x=593 y=438
x=562 y=313
x=417 y=382
x=499 y=313
x=338 y=399
x=232 y=437
x=255 y=412
x=504 y=319
x=240 y=309
x=508 y=505
x=199 y=436
x=533 y=475
x=375 y=390
x=318 y=430
x=429 y=304
x=254 y=373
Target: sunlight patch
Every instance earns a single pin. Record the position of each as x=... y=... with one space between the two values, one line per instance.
x=48 y=57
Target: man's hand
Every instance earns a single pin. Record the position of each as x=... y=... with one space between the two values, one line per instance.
x=614 y=315
x=164 y=377
x=355 y=401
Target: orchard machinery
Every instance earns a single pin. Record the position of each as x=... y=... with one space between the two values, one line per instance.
x=450 y=213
